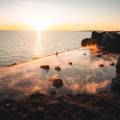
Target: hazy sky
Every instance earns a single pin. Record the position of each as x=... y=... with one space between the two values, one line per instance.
x=60 y=11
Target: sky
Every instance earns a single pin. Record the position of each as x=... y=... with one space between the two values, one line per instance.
x=65 y=14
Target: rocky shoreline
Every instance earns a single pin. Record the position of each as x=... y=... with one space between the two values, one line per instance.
x=101 y=106
x=108 y=41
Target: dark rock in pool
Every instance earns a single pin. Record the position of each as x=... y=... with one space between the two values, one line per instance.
x=98 y=55
x=56 y=53
x=112 y=64
x=46 y=67
x=101 y=65
x=57 y=83
x=57 y=68
x=70 y=63
x=109 y=41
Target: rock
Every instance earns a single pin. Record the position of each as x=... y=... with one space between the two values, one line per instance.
x=112 y=64
x=109 y=41
x=84 y=54
x=46 y=67
x=115 y=85
x=57 y=68
x=57 y=83
x=70 y=63
x=97 y=35
x=56 y=53
x=37 y=96
x=101 y=65
x=118 y=67
x=87 y=41
x=98 y=55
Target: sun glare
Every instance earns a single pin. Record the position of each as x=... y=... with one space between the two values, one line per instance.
x=39 y=25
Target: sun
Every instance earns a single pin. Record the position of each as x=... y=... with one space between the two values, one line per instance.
x=37 y=25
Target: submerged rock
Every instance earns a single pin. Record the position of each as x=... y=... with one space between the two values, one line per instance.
x=84 y=54
x=56 y=53
x=101 y=65
x=70 y=63
x=57 y=83
x=112 y=64
x=46 y=67
x=57 y=68
x=98 y=55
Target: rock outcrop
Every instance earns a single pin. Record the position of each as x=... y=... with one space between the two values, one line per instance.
x=109 y=41
x=115 y=85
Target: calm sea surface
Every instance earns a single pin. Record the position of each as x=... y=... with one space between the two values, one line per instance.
x=18 y=46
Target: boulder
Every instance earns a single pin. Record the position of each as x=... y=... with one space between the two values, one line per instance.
x=101 y=65
x=70 y=63
x=57 y=83
x=45 y=67
x=57 y=68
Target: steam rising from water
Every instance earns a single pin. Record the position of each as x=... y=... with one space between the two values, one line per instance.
x=83 y=76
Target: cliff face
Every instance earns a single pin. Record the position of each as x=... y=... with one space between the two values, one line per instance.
x=109 y=41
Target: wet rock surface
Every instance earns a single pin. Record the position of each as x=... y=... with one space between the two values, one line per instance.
x=103 y=106
x=109 y=41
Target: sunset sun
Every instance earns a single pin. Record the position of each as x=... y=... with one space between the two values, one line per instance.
x=37 y=25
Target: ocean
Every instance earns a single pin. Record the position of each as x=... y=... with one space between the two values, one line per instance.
x=84 y=75
x=16 y=46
